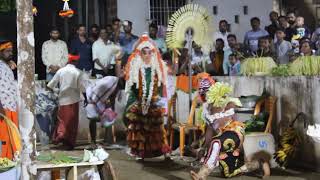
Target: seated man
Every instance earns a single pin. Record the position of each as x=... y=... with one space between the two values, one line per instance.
x=224 y=149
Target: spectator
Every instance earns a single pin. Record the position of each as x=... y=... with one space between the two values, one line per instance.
x=282 y=47
x=183 y=62
x=237 y=48
x=103 y=52
x=217 y=59
x=82 y=46
x=109 y=30
x=199 y=60
x=222 y=33
x=271 y=29
x=290 y=31
x=316 y=37
x=291 y=18
x=128 y=40
x=54 y=53
x=116 y=25
x=264 y=48
x=161 y=44
x=94 y=33
x=252 y=37
x=234 y=65
x=306 y=48
x=301 y=31
x=283 y=23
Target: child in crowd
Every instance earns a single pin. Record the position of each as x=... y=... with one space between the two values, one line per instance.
x=282 y=47
x=234 y=66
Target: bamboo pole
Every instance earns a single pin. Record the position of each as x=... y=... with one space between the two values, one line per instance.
x=26 y=85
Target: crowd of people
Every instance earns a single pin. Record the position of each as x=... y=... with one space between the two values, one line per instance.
x=141 y=66
x=285 y=39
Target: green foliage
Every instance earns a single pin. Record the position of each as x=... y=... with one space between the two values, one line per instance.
x=58 y=158
x=257 y=123
x=281 y=70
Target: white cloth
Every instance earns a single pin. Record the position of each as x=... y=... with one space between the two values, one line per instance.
x=224 y=37
x=54 y=53
x=70 y=81
x=98 y=93
x=213 y=160
x=8 y=87
x=104 y=52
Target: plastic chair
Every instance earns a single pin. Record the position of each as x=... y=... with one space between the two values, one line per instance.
x=182 y=127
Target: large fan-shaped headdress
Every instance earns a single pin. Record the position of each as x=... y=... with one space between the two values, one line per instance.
x=190 y=17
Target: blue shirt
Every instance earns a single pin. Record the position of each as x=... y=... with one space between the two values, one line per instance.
x=251 y=38
x=234 y=70
x=85 y=52
x=127 y=43
x=161 y=45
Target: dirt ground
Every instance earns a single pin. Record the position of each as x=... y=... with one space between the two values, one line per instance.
x=127 y=168
x=157 y=169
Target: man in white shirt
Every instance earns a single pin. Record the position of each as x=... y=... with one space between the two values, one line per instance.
x=69 y=81
x=222 y=33
x=54 y=53
x=103 y=53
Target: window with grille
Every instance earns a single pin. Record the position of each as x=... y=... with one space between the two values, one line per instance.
x=161 y=10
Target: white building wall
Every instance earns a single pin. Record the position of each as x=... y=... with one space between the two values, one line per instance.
x=136 y=11
x=227 y=9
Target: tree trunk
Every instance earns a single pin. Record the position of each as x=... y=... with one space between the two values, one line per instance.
x=26 y=85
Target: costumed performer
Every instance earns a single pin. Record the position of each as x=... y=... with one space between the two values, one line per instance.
x=146 y=76
x=224 y=149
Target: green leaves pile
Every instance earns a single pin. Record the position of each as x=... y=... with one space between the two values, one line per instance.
x=281 y=70
x=58 y=158
x=257 y=123
x=257 y=66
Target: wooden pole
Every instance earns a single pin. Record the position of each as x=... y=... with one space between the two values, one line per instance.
x=26 y=84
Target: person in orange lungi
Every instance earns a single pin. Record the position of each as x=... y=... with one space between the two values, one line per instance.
x=8 y=104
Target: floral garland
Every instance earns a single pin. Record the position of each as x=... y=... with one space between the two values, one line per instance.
x=146 y=101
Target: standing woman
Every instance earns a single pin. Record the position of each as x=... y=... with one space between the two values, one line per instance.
x=146 y=77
